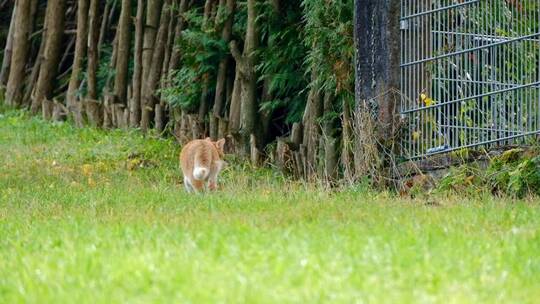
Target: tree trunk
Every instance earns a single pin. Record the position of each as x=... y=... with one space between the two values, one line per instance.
x=135 y=105
x=376 y=35
x=93 y=108
x=175 y=55
x=34 y=15
x=377 y=65
x=73 y=104
x=31 y=81
x=49 y=66
x=161 y=106
x=207 y=14
x=203 y=104
x=246 y=64
x=108 y=96
x=153 y=11
x=6 y=61
x=236 y=102
x=221 y=82
x=22 y=24
x=154 y=73
x=312 y=130
x=330 y=141
x=122 y=61
x=170 y=39
x=93 y=56
x=347 y=159
x=249 y=87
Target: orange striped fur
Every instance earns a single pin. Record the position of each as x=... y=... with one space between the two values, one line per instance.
x=201 y=161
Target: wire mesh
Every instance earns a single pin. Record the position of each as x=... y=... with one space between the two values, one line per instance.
x=470 y=74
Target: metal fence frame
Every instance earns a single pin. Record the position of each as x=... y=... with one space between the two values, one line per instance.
x=470 y=74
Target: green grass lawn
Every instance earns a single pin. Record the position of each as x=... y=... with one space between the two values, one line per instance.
x=88 y=216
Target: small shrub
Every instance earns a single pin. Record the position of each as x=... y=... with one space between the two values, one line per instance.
x=514 y=173
x=525 y=178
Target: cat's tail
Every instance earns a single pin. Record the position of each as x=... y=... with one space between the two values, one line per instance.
x=201 y=173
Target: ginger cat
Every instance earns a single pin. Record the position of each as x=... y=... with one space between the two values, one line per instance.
x=201 y=161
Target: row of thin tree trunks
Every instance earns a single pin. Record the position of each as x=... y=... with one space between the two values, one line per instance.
x=122 y=104
x=31 y=77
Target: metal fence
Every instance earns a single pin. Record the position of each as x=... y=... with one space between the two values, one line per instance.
x=470 y=74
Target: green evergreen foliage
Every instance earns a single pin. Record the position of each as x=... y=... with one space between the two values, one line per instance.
x=302 y=36
x=282 y=61
x=329 y=35
x=202 y=49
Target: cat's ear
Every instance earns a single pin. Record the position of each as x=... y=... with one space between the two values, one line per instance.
x=220 y=144
x=208 y=139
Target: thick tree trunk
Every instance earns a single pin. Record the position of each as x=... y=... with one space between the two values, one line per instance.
x=135 y=105
x=246 y=64
x=249 y=98
x=122 y=55
x=49 y=66
x=93 y=108
x=376 y=31
x=74 y=105
x=153 y=12
x=6 y=60
x=377 y=64
x=154 y=73
x=34 y=10
x=22 y=24
x=122 y=61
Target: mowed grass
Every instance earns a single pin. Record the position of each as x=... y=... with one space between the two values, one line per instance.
x=92 y=216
